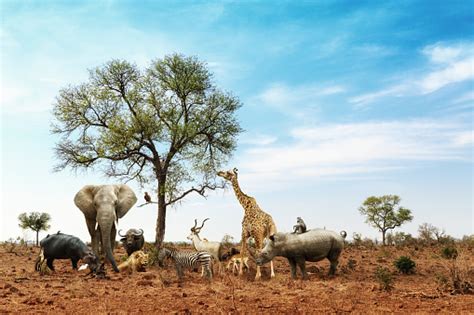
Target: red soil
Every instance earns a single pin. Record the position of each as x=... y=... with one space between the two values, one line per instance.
x=157 y=290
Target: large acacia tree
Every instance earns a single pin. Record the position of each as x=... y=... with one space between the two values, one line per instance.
x=167 y=126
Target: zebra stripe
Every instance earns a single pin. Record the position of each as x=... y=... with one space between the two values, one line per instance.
x=188 y=259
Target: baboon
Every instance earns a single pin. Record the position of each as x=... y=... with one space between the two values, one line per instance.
x=299 y=227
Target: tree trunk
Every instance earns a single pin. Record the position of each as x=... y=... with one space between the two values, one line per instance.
x=37 y=232
x=383 y=237
x=160 y=224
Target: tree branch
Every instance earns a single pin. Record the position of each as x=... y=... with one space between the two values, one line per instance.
x=200 y=191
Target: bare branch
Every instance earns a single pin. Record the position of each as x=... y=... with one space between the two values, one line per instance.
x=201 y=191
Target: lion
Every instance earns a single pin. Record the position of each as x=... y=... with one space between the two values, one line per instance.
x=136 y=262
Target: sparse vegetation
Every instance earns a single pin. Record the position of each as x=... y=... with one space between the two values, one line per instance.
x=384 y=278
x=405 y=265
x=457 y=281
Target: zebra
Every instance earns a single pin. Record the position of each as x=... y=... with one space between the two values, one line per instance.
x=188 y=259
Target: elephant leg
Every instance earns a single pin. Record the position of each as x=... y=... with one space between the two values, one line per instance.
x=113 y=234
x=91 y=223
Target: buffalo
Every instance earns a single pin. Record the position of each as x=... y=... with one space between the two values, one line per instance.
x=132 y=241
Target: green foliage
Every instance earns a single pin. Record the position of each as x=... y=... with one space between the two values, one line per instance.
x=384 y=278
x=35 y=221
x=449 y=252
x=405 y=265
x=167 y=126
x=401 y=239
x=384 y=213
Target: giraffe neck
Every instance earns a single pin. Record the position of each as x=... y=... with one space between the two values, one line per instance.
x=244 y=200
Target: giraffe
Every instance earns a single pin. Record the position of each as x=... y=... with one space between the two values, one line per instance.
x=256 y=223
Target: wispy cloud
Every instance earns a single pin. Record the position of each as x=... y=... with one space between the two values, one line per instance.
x=447 y=65
x=284 y=97
x=258 y=139
x=455 y=72
x=357 y=148
x=361 y=100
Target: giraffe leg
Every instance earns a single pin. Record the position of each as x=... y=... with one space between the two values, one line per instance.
x=243 y=249
x=272 y=275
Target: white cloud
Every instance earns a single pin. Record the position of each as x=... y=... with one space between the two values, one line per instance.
x=258 y=139
x=439 y=53
x=455 y=72
x=361 y=100
x=464 y=138
x=357 y=148
x=450 y=64
x=467 y=97
x=284 y=97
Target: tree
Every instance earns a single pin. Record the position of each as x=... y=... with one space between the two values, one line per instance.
x=428 y=232
x=167 y=126
x=384 y=213
x=35 y=221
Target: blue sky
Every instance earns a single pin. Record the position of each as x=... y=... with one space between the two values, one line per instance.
x=342 y=100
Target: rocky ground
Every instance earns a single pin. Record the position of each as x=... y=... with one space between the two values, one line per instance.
x=353 y=289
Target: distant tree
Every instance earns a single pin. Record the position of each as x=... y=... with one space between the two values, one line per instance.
x=426 y=232
x=35 y=221
x=167 y=126
x=384 y=213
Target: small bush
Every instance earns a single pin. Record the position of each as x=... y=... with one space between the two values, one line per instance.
x=405 y=265
x=449 y=252
x=384 y=278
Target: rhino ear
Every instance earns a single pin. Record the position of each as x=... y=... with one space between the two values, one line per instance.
x=272 y=237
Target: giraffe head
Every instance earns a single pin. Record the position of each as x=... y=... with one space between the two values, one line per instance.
x=229 y=175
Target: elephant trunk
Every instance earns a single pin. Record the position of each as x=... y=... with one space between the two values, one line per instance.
x=105 y=223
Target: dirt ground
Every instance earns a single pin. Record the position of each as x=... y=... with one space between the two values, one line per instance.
x=157 y=289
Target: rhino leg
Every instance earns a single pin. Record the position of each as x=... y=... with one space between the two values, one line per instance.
x=334 y=261
x=292 y=262
x=302 y=264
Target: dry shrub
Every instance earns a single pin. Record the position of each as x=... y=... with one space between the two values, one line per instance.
x=384 y=278
x=459 y=276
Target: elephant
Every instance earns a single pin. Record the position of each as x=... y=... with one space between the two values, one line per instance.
x=103 y=205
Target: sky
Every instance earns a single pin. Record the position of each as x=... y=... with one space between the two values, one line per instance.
x=342 y=100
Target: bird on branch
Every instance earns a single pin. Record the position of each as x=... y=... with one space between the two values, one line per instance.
x=147 y=197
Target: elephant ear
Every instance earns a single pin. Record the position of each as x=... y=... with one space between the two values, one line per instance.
x=126 y=198
x=84 y=200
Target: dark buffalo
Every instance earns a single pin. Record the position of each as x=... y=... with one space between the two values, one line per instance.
x=64 y=246
x=132 y=241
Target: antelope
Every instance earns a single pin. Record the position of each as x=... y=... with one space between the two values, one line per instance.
x=213 y=248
